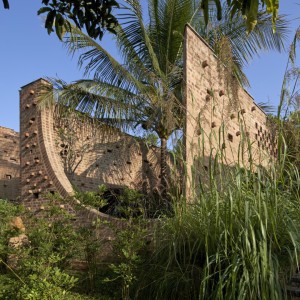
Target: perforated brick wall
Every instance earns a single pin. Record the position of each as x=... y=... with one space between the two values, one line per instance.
x=220 y=119
x=59 y=154
x=9 y=164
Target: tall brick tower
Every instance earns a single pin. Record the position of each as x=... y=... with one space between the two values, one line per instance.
x=40 y=166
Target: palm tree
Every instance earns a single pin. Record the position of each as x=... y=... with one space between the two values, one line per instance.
x=145 y=91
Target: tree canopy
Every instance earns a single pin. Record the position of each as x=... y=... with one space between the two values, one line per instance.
x=95 y=16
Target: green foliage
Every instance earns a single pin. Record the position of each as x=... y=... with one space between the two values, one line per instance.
x=94 y=16
x=46 y=281
x=238 y=239
x=130 y=204
x=7 y=212
x=128 y=245
x=94 y=199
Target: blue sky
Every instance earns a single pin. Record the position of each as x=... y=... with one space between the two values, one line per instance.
x=28 y=53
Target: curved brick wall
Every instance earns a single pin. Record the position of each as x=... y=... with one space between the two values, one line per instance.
x=94 y=154
x=9 y=164
x=59 y=153
x=41 y=170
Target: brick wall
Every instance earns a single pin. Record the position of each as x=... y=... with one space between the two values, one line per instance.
x=59 y=152
x=220 y=120
x=9 y=164
x=41 y=170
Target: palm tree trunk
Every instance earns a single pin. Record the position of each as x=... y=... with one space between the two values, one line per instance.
x=163 y=168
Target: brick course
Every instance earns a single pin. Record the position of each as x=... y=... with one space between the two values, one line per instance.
x=216 y=124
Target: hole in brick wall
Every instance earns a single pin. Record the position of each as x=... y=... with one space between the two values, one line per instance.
x=256 y=136
x=258 y=144
x=8 y=176
x=232 y=116
x=52 y=192
x=230 y=137
x=206 y=168
x=243 y=111
x=36 y=195
x=204 y=64
x=209 y=92
x=213 y=124
x=221 y=93
x=253 y=108
x=238 y=133
x=207 y=98
x=256 y=125
x=13 y=159
x=223 y=146
x=109 y=150
x=6 y=137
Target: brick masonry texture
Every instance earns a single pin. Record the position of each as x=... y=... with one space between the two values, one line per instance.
x=57 y=152
x=9 y=164
x=60 y=152
x=220 y=120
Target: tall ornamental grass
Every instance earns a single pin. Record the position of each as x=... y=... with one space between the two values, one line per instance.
x=238 y=239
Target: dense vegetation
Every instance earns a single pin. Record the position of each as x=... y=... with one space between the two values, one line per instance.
x=239 y=239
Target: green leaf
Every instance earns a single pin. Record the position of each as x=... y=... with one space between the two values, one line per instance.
x=6 y=4
x=49 y=21
x=43 y=10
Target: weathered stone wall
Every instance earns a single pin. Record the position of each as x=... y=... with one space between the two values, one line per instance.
x=9 y=164
x=222 y=118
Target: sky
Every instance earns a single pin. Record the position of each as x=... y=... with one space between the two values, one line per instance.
x=29 y=53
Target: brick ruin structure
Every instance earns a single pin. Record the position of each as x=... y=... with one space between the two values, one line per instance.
x=54 y=154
